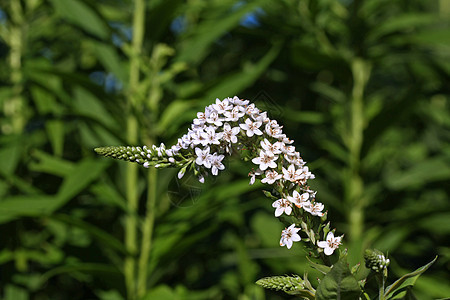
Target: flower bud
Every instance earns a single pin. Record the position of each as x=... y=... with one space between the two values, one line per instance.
x=284 y=283
x=375 y=260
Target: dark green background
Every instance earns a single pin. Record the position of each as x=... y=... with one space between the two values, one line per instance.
x=361 y=86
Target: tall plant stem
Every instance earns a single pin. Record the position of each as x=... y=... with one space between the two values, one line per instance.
x=14 y=108
x=131 y=223
x=147 y=232
x=131 y=217
x=361 y=74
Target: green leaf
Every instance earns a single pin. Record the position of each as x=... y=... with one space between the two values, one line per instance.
x=101 y=235
x=234 y=83
x=433 y=37
x=80 y=14
x=162 y=292
x=13 y=292
x=437 y=223
x=13 y=207
x=46 y=104
x=430 y=170
x=321 y=268
x=401 y=22
x=110 y=59
x=10 y=152
x=80 y=267
x=109 y=295
x=83 y=174
x=266 y=227
x=195 y=48
x=109 y=195
x=87 y=104
x=399 y=289
x=304 y=294
x=174 y=114
x=45 y=163
x=339 y=283
x=77 y=180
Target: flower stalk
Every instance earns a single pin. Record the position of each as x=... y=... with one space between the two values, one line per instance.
x=236 y=125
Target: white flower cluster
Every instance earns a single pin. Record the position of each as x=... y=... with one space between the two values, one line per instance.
x=232 y=124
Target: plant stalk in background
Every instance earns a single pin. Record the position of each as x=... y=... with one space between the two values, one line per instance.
x=131 y=223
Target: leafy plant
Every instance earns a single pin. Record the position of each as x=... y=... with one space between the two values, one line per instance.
x=65 y=88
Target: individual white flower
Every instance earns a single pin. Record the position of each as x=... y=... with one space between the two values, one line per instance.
x=237 y=101
x=271 y=177
x=229 y=134
x=203 y=157
x=299 y=200
x=216 y=163
x=288 y=150
x=315 y=209
x=175 y=148
x=282 y=206
x=214 y=118
x=201 y=119
x=307 y=173
x=269 y=147
x=210 y=136
x=330 y=244
x=251 y=110
x=253 y=175
x=273 y=132
x=186 y=139
x=251 y=127
x=261 y=117
x=222 y=106
x=234 y=114
x=291 y=174
x=265 y=160
x=295 y=159
x=289 y=235
x=198 y=137
x=286 y=140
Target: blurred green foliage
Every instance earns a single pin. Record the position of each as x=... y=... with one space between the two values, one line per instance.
x=362 y=87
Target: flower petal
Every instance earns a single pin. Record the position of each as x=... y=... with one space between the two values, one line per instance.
x=328 y=251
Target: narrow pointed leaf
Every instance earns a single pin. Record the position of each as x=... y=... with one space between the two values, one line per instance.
x=83 y=174
x=321 y=268
x=101 y=235
x=82 y=15
x=399 y=289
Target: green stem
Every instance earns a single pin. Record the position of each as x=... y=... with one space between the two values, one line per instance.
x=147 y=232
x=131 y=217
x=14 y=106
x=132 y=139
x=361 y=74
x=380 y=280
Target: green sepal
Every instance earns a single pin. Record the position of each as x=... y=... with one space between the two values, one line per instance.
x=399 y=289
